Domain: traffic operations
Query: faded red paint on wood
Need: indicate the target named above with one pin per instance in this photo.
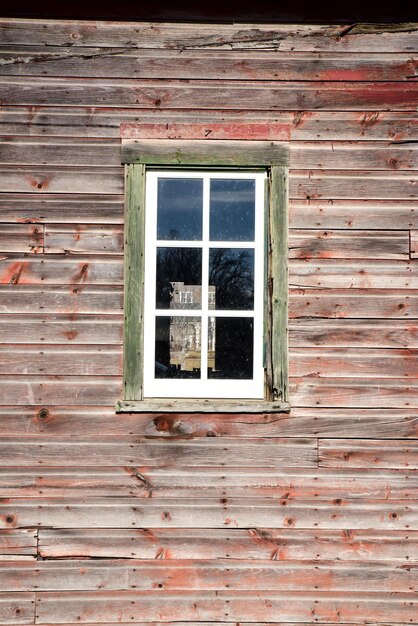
(292, 518)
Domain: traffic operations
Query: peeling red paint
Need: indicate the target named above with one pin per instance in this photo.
(227, 130)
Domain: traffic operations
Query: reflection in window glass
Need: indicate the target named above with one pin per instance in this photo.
(230, 347)
(177, 347)
(179, 208)
(232, 210)
(231, 276)
(179, 278)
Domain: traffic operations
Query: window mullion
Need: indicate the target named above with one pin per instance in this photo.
(205, 279)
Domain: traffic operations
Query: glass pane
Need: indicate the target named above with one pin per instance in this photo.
(230, 347)
(231, 278)
(179, 278)
(179, 208)
(232, 208)
(177, 347)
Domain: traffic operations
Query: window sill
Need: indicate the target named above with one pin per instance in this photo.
(183, 405)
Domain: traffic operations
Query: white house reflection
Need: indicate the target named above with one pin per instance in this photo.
(185, 332)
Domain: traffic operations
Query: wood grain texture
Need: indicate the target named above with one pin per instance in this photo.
(195, 519)
(305, 333)
(65, 360)
(344, 453)
(350, 362)
(17, 608)
(101, 62)
(60, 269)
(27, 208)
(250, 545)
(303, 37)
(202, 481)
(48, 420)
(208, 513)
(353, 244)
(21, 238)
(348, 215)
(59, 390)
(358, 274)
(18, 544)
(340, 185)
(84, 239)
(241, 95)
(61, 329)
(353, 303)
(354, 392)
(60, 607)
(70, 300)
(222, 575)
(85, 122)
(45, 180)
(130, 450)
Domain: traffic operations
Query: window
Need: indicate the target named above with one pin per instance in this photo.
(205, 276)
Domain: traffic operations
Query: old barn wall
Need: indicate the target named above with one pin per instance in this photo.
(308, 517)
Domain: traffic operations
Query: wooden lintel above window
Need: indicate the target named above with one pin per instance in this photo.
(208, 152)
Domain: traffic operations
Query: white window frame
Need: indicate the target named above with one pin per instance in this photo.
(203, 387)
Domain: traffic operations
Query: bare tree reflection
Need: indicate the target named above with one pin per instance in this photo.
(231, 272)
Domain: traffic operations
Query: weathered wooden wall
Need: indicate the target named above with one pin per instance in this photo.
(303, 518)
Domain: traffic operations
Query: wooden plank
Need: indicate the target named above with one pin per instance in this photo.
(301, 125)
(130, 450)
(100, 62)
(117, 512)
(358, 274)
(250, 545)
(224, 94)
(45, 180)
(59, 390)
(308, 185)
(59, 151)
(199, 405)
(238, 606)
(349, 214)
(83, 239)
(354, 303)
(26, 208)
(17, 608)
(65, 360)
(350, 362)
(185, 482)
(61, 329)
(371, 453)
(414, 244)
(21, 238)
(305, 333)
(205, 152)
(267, 575)
(353, 155)
(70, 300)
(303, 37)
(60, 269)
(134, 263)
(16, 544)
(354, 393)
(17, 421)
(278, 276)
(339, 244)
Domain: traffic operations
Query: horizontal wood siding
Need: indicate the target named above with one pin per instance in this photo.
(208, 519)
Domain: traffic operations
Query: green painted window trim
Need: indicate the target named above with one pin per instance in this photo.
(207, 155)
